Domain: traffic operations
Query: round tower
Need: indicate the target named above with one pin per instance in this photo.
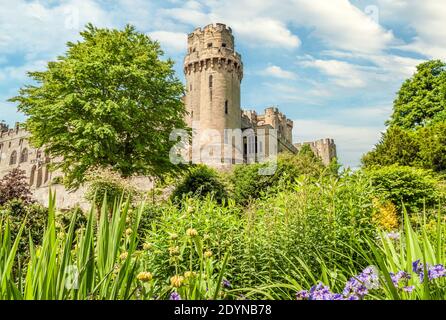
(213, 72)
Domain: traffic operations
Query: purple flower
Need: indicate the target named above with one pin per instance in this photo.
(393, 235)
(302, 295)
(175, 296)
(360, 285)
(320, 292)
(226, 284)
(337, 296)
(417, 266)
(436, 271)
(399, 276)
(408, 288)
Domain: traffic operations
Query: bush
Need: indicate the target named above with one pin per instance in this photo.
(200, 182)
(249, 183)
(14, 185)
(18, 211)
(105, 182)
(405, 185)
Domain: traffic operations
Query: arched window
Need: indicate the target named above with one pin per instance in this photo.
(13, 159)
(24, 156)
(39, 177)
(47, 174)
(226, 107)
(210, 81)
(32, 174)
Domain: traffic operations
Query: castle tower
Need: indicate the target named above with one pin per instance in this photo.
(213, 72)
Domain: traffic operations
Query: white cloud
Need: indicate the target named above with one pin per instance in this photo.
(278, 72)
(172, 41)
(34, 29)
(426, 18)
(342, 73)
(337, 23)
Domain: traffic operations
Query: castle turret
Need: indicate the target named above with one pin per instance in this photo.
(213, 73)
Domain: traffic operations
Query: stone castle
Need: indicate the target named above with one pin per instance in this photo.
(213, 72)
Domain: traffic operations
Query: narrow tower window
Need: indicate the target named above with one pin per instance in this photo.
(210, 81)
(226, 107)
(13, 158)
(223, 45)
(210, 45)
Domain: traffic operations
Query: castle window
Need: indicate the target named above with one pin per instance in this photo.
(210, 81)
(190, 87)
(32, 174)
(226, 107)
(210, 45)
(223, 45)
(24, 156)
(13, 159)
(39, 177)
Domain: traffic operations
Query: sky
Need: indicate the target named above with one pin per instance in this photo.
(332, 66)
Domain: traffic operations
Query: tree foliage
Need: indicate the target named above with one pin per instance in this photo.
(410, 186)
(416, 133)
(110, 101)
(200, 181)
(248, 183)
(422, 98)
(14, 186)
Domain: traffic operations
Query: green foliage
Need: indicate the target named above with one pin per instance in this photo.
(110, 101)
(200, 181)
(33, 218)
(250, 183)
(13, 186)
(422, 98)
(433, 147)
(411, 186)
(106, 184)
(423, 148)
(397, 146)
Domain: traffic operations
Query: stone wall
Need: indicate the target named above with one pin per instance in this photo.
(323, 148)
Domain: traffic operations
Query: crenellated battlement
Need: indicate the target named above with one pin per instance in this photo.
(7, 133)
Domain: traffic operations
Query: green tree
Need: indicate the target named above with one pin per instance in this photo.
(432, 142)
(396, 146)
(200, 181)
(110, 102)
(422, 98)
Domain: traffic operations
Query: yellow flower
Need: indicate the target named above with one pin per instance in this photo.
(206, 237)
(144, 276)
(174, 250)
(173, 236)
(386, 215)
(191, 232)
(208, 254)
(147, 246)
(190, 274)
(176, 281)
(123, 255)
(128, 231)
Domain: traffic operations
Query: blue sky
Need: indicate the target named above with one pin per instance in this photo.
(332, 66)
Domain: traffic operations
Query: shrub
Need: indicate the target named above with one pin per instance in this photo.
(249, 183)
(17, 211)
(106, 182)
(200, 182)
(14, 185)
(405, 185)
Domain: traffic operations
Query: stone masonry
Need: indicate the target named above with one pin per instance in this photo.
(213, 72)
